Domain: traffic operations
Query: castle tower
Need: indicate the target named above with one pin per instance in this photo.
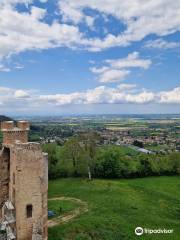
(23, 184)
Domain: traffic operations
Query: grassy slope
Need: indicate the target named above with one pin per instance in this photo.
(116, 207)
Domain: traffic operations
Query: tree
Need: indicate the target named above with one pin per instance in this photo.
(72, 150)
(89, 141)
(138, 143)
(51, 149)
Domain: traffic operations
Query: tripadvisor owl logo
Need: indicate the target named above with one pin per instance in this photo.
(139, 231)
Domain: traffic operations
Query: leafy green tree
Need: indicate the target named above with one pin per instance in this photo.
(51, 149)
(88, 142)
(72, 150)
(174, 159)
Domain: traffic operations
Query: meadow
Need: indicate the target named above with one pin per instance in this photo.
(117, 207)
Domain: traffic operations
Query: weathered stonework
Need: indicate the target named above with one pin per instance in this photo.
(23, 182)
(4, 176)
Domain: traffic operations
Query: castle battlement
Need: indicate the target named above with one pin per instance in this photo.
(12, 126)
(23, 125)
(13, 132)
(7, 125)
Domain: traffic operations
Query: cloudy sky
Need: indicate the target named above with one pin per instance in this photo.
(89, 56)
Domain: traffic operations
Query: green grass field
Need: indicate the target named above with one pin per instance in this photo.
(116, 207)
(66, 207)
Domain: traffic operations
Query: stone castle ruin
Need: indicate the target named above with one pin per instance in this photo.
(23, 185)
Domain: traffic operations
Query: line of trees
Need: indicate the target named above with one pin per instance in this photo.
(83, 156)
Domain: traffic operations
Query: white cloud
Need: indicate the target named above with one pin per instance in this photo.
(99, 95)
(5, 91)
(126, 87)
(172, 96)
(162, 44)
(131, 61)
(18, 66)
(22, 31)
(143, 97)
(117, 70)
(14, 2)
(27, 31)
(120, 95)
(90, 21)
(10, 93)
(37, 13)
(23, 100)
(4, 68)
(21, 94)
(113, 75)
(141, 18)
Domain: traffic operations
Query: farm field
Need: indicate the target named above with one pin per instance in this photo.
(117, 207)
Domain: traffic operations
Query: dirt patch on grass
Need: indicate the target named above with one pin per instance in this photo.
(83, 207)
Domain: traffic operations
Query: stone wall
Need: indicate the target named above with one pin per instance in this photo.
(24, 181)
(27, 164)
(4, 176)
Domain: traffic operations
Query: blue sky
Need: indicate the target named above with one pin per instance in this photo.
(89, 56)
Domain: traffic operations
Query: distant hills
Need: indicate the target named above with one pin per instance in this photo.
(5, 118)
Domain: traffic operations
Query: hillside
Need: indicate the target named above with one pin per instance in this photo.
(5, 118)
(116, 208)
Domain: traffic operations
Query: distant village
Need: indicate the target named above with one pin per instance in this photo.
(155, 137)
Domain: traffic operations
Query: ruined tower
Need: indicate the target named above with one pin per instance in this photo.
(23, 184)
